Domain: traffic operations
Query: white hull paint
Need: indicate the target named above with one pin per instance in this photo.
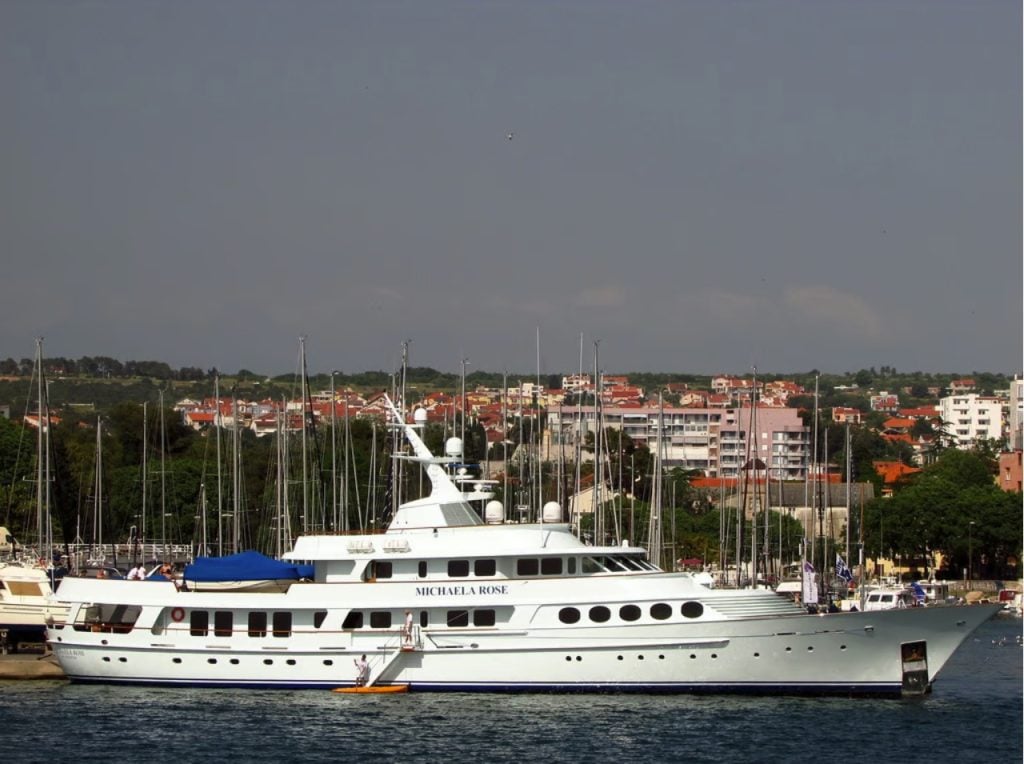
(503, 607)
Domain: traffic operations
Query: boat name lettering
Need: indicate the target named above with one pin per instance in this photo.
(456, 591)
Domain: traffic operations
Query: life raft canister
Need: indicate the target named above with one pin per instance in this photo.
(178, 614)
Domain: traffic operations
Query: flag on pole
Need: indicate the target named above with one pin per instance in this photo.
(919, 593)
(842, 571)
(809, 588)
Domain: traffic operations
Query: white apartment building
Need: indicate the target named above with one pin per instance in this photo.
(717, 441)
(1015, 437)
(969, 418)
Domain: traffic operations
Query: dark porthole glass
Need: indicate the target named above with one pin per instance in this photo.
(660, 611)
(569, 615)
(600, 614)
(692, 610)
(629, 613)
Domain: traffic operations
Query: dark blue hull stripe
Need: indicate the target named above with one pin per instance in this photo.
(740, 688)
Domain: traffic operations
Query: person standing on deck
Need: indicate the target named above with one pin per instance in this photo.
(362, 671)
(407, 630)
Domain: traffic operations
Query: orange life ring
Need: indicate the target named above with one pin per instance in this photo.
(178, 615)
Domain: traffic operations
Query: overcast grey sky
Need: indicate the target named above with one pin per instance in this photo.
(702, 187)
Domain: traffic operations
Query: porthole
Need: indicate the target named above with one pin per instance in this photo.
(175, 660)
(714, 655)
(211, 661)
(234, 661)
(568, 615)
(693, 657)
(842, 647)
(328, 662)
(579, 657)
(660, 611)
(639, 657)
(268, 662)
(661, 657)
(692, 610)
(123, 660)
(757, 655)
(629, 613)
(600, 614)
(106, 659)
(810, 648)
(290, 661)
(568, 658)
(620, 657)
(789, 649)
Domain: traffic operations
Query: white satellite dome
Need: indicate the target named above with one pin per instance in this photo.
(453, 447)
(552, 512)
(419, 416)
(494, 512)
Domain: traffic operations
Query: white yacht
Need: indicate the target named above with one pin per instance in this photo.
(448, 600)
(26, 602)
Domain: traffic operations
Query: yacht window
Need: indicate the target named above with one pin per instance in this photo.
(354, 620)
(484, 567)
(257, 624)
(380, 619)
(612, 564)
(571, 566)
(568, 615)
(457, 618)
(629, 612)
(223, 623)
(424, 619)
(380, 569)
(282, 623)
(422, 569)
(199, 623)
(629, 562)
(592, 565)
(458, 568)
(318, 618)
(600, 614)
(692, 610)
(551, 566)
(660, 611)
(527, 567)
(484, 617)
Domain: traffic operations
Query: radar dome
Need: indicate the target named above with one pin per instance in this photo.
(453, 447)
(419, 416)
(552, 512)
(494, 512)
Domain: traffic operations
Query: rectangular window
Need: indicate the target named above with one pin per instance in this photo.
(381, 569)
(282, 623)
(483, 617)
(484, 568)
(318, 618)
(380, 619)
(223, 623)
(257, 624)
(571, 566)
(527, 567)
(551, 566)
(424, 619)
(199, 623)
(458, 618)
(458, 568)
(354, 620)
(422, 569)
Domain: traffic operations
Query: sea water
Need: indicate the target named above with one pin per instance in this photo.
(974, 714)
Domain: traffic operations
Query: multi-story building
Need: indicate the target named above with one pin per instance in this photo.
(1015, 420)
(717, 441)
(969, 418)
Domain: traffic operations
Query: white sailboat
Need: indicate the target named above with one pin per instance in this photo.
(26, 577)
(496, 606)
